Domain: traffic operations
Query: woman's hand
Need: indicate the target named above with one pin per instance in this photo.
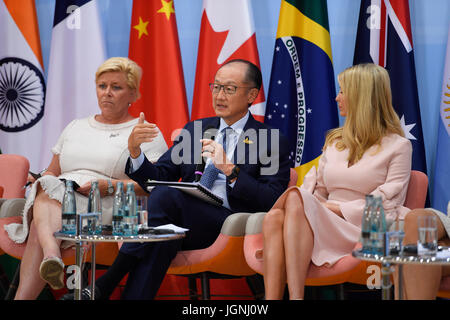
(102, 186)
(30, 180)
(84, 189)
(335, 208)
(32, 177)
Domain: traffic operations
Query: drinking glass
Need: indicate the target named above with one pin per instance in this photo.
(394, 243)
(141, 202)
(427, 240)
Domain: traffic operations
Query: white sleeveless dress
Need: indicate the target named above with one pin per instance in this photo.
(87, 150)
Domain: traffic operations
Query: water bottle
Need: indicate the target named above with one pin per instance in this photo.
(382, 228)
(69, 210)
(378, 228)
(119, 202)
(365, 225)
(130, 213)
(94, 223)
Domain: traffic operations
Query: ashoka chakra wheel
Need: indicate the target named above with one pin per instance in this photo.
(22, 94)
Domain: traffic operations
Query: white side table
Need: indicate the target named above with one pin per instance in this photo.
(400, 260)
(93, 239)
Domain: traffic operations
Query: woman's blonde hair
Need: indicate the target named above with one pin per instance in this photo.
(370, 114)
(120, 64)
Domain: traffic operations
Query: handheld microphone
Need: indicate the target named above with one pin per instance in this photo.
(208, 134)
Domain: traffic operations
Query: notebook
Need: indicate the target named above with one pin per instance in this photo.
(193, 188)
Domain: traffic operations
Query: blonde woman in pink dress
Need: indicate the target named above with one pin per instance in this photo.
(320, 222)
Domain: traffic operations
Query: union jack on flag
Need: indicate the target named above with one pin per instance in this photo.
(384, 37)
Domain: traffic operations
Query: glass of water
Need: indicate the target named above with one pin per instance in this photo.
(394, 242)
(141, 202)
(89, 223)
(427, 240)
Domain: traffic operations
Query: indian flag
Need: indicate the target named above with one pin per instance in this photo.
(22, 84)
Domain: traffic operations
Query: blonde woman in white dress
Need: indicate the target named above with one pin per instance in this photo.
(94, 148)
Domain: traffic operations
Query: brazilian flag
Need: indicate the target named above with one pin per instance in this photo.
(302, 90)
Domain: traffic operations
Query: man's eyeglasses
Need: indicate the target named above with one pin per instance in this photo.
(228, 89)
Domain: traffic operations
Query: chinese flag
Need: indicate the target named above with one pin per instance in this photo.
(227, 33)
(154, 46)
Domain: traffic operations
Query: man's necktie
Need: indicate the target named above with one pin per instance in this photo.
(211, 172)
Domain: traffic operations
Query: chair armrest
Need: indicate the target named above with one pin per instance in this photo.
(2, 200)
(234, 225)
(11, 207)
(254, 223)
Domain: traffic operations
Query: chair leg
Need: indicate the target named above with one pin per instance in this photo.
(256, 285)
(4, 281)
(85, 274)
(341, 292)
(314, 292)
(205, 287)
(192, 283)
(14, 284)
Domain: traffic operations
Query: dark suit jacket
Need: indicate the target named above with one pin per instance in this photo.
(252, 191)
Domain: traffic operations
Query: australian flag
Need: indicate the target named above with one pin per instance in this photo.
(384, 37)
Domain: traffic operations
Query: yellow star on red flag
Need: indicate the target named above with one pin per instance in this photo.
(167, 8)
(141, 27)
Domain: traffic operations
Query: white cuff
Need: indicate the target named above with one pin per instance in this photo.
(136, 163)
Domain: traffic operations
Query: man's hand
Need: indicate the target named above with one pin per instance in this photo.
(142, 132)
(214, 150)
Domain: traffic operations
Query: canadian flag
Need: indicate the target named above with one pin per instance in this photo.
(227, 33)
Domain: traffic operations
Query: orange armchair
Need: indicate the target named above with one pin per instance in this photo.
(105, 252)
(224, 258)
(13, 176)
(444, 289)
(348, 268)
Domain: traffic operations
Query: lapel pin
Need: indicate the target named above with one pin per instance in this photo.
(247, 141)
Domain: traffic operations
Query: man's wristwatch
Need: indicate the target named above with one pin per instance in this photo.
(110, 188)
(234, 173)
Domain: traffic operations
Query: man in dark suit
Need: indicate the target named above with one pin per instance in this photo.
(248, 163)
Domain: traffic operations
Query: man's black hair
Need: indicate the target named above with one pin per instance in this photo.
(253, 74)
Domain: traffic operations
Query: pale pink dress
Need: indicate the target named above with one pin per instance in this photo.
(382, 171)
